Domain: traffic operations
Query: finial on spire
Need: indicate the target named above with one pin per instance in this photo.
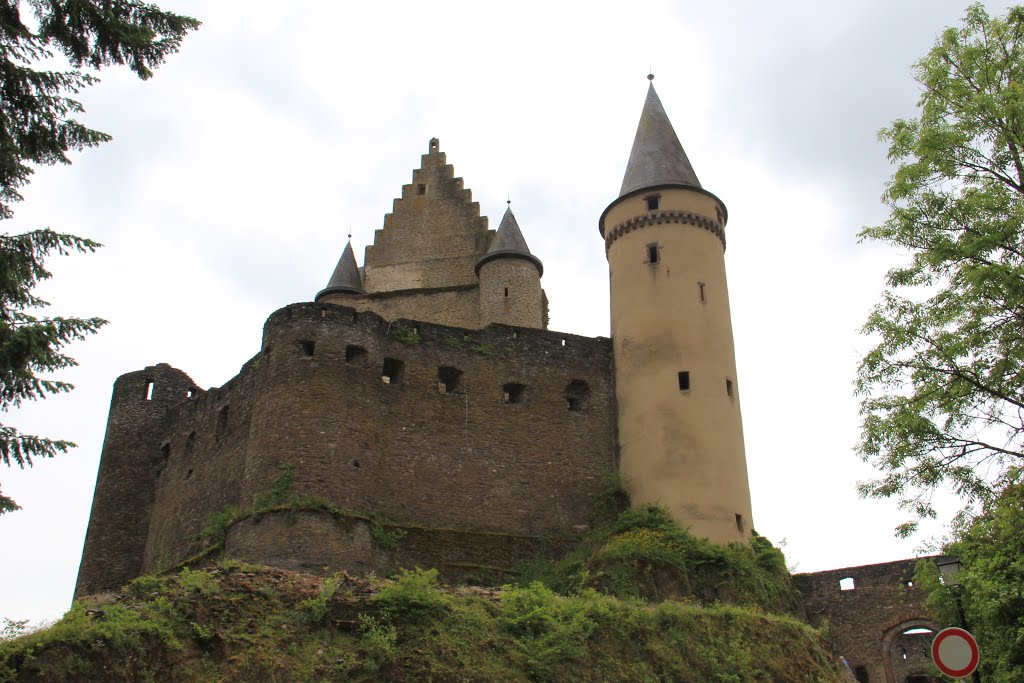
(349, 235)
(508, 199)
(650, 76)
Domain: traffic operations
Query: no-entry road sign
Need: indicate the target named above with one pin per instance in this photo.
(955, 652)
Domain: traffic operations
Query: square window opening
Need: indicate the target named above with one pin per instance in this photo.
(392, 371)
(448, 379)
(514, 393)
(308, 347)
(684, 380)
(576, 394)
(846, 584)
(421, 189)
(355, 355)
(653, 203)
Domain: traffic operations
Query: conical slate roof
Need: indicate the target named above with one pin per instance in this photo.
(345, 279)
(657, 157)
(509, 242)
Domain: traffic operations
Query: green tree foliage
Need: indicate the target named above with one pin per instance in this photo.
(991, 551)
(37, 127)
(943, 389)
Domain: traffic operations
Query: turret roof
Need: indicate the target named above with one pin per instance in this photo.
(509, 242)
(657, 157)
(346, 275)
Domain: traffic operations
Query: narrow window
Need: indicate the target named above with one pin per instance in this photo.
(392, 371)
(700, 293)
(653, 202)
(188, 475)
(739, 522)
(513, 392)
(684, 381)
(506, 292)
(652, 253)
(728, 387)
(846, 584)
(355, 355)
(222, 420)
(576, 394)
(191, 393)
(307, 346)
(421, 188)
(149, 390)
(448, 379)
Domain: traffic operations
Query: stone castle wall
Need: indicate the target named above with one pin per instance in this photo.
(489, 440)
(866, 612)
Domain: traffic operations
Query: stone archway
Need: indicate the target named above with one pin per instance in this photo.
(893, 631)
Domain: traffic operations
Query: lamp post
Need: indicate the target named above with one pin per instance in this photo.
(949, 571)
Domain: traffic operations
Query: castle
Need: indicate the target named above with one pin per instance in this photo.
(419, 412)
(425, 390)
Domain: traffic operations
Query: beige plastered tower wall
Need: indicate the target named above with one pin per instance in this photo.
(680, 435)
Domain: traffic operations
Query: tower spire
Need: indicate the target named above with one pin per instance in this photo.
(657, 157)
(345, 279)
(509, 241)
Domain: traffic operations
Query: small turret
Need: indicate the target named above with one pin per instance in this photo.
(345, 280)
(510, 291)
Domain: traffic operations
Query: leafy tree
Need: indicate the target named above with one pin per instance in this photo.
(943, 389)
(991, 551)
(37, 127)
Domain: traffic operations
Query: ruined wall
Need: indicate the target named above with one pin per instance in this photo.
(498, 449)
(866, 622)
(132, 460)
(206, 445)
(475, 446)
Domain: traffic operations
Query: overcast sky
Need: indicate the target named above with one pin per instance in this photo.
(235, 174)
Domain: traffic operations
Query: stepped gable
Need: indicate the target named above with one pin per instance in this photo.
(434, 235)
(345, 279)
(657, 157)
(509, 242)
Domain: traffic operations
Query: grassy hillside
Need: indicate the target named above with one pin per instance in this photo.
(635, 599)
(235, 622)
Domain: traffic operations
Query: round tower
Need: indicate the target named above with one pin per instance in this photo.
(510, 291)
(134, 453)
(680, 430)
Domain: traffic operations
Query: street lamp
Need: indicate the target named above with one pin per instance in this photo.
(949, 571)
